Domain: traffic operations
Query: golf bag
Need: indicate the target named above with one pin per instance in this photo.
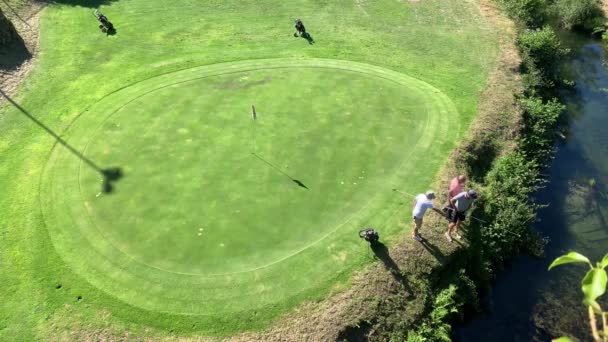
(369, 235)
(106, 26)
(300, 28)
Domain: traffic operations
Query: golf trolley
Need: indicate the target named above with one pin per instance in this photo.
(369, 235)
(106, 26)
(300, 29)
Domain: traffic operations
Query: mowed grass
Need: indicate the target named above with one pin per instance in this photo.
(207, 232)
(220, 215)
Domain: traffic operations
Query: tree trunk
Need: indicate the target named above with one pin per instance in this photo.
(7, 30)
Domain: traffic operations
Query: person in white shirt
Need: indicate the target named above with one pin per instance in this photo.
(422, 202)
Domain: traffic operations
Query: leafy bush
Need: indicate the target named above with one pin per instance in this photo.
(437, 327)
(584, 14)
(508, 207)
(535, 82)
(541, 52)
(539, 122)
(531, 13)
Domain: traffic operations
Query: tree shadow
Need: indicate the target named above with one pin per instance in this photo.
(81, 3)
(13, 51)
(381, 252)
(110, 175)
(14, 54)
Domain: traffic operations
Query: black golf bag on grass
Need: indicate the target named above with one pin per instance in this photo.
(106, 26)
(300, 28)
(369, 235)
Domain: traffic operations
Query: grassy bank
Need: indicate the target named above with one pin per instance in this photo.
(513, 174)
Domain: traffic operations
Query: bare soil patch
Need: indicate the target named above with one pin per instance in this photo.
(18, 58)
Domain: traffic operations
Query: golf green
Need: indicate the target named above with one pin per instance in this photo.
(221, 224)
(214, 207)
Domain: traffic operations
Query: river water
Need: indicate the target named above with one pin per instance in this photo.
(528, 303)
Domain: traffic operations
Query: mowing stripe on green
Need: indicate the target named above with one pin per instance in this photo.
(199, 225)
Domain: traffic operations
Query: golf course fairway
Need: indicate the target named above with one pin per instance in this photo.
(221, 220)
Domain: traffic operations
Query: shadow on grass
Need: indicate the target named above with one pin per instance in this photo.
(308, 38)
(110, 32)
(110, 175)
(297, 182)
(433, 250)
(381, 252)
(13, 55)
(81, 3)
(13, 51)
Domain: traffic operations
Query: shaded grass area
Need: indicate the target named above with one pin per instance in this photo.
(155, 38)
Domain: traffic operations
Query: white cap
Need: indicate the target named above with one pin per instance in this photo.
(430, 194)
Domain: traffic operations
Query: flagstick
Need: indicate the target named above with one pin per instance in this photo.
(253, 118)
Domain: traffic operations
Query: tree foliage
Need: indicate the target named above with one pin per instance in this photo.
(541, 52)
(531, 13)
(583, 14)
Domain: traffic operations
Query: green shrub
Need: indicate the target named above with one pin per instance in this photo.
(535, 82)
(508, 209)
(541, 53)
(437, 326)
(584, 14)
(531, 13)
(539, 123)
(542, 47)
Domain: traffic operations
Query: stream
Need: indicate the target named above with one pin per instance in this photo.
(529, 303)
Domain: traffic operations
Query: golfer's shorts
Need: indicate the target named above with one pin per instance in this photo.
(456, 216)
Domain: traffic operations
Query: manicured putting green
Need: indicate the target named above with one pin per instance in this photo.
(208, 219)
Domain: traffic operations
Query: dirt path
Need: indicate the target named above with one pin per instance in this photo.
(18, 58)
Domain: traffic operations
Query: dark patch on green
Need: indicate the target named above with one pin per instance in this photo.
(245, 84)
